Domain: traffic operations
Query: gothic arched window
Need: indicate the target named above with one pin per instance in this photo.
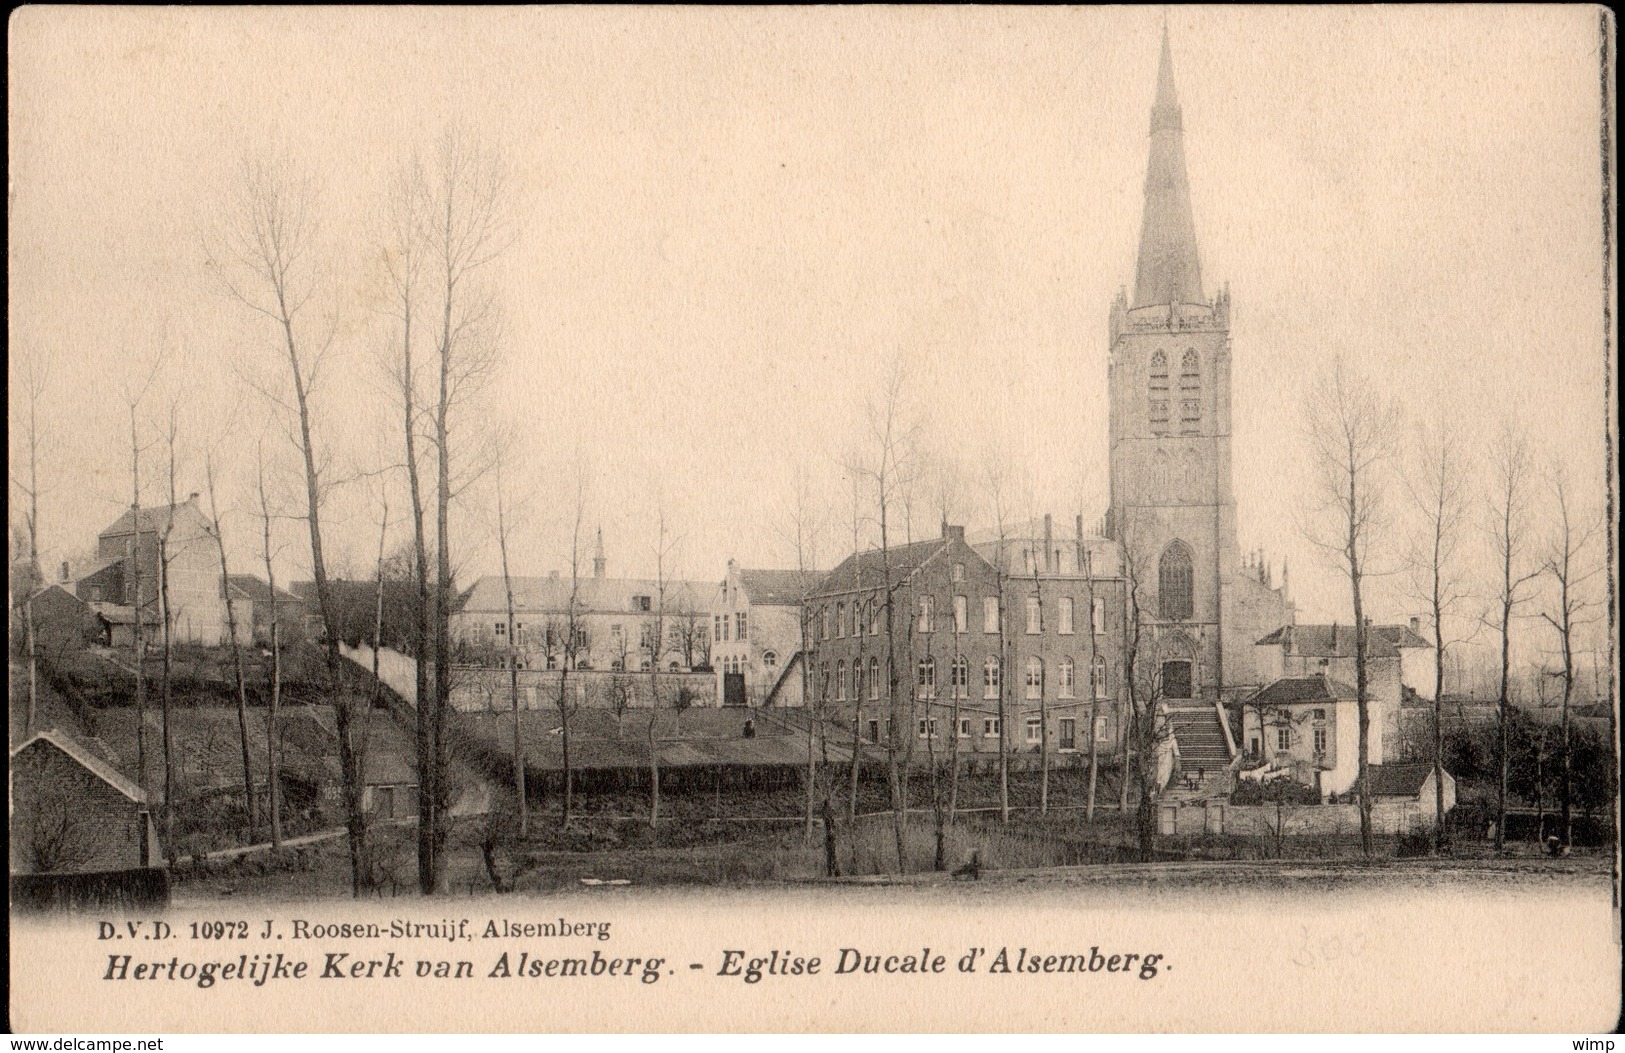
(840, 681)
(1065, 674)
(1190, 392)
(1174, 599)
(990, 678)
(874, 679)
(961, 677)
(1158, 393)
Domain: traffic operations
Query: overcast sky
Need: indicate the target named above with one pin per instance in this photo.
(733, 221)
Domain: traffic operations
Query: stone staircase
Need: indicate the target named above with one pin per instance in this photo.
(1204, 755)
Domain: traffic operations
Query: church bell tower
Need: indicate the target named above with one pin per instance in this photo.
(1173, 509)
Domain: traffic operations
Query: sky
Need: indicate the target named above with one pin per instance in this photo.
(732, 223)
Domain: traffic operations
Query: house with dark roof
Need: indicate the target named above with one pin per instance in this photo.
(173, 545)
(252, 600)
(942, 602)
(1308, 724)
(756, 635)
(1398, 658)
(1410, 785)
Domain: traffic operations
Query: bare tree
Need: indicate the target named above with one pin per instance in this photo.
(574, 639)
(1095, 680)
(464, 224)
(1509, 481)
(1570, 566)
(1352, 432)
(801, 531)
(404, 251)
(998, 484)
(133, 396)
(1149, 730)
(273, 768)
(262, 255)
(513, 664)
(1439, 488)
(663, 550)
(890, 468)
(251, 801)
(32, 384)
(166, 615)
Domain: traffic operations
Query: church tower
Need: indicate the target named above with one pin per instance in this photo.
(1173, 510)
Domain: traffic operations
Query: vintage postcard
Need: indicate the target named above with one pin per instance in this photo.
(585, 519)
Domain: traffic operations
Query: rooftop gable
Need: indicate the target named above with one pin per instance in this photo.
(82, 755)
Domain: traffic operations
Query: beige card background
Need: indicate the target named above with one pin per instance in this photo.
(731, 221)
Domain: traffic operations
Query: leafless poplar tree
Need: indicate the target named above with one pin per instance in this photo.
(403, 249)
(1571, 568)
(663, 548)
(893, 439)
(574, 640)
(1509, 488)
(1438, 485)
(464, 223)
(513, 662)
(1352, 434)
(262, 254)
(998, 484)
(250, 800)
(273, 765)
(31, 384)
(166, 615)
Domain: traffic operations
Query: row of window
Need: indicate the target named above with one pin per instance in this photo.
(868, 614)
(925, 679)
(1066, 728)
(721, 624)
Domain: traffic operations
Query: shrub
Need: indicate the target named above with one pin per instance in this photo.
(1281, 791)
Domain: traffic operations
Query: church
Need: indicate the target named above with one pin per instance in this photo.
(1202, 607)
(1219, 645)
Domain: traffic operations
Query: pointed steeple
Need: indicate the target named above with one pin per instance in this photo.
(599, 564)
(1168, 270)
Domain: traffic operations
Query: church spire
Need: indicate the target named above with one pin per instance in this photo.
(1168, 270)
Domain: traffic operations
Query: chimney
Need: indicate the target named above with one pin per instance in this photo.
(66, 578)
(1049, 545)
(1334, 637)
(733, 568)
(191, 498)
(1416, 624)
(554, 574)
(952, 533)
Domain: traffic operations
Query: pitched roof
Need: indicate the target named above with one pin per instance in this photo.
(593, 595)
(258, 590)
(1293, 689)
(1402, 635)
(1399, 780)
(1337, 641)
(156, 519)
(87, 760)
(786, 588)
(123, 614)
(867, 570)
